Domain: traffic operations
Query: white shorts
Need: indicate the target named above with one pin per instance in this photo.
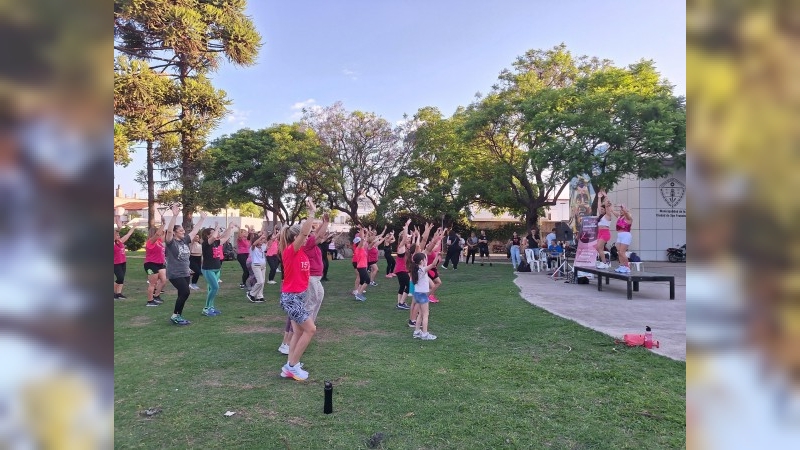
(624, 237)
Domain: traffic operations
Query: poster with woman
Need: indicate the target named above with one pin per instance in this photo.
(586, 253)
(580, 201)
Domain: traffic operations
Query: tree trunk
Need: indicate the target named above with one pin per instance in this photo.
(187, 176)
(151, 188)
(532, 218)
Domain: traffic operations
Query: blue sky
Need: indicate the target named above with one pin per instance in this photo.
(394, 57)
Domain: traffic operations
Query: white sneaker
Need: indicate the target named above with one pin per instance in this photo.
(295, 372)
(278, 270)
(626, 269)
(284, 348)
(417, 334)
(620, 269)
(427, 336)
(194, 286)
(271, 282)
(601, 265)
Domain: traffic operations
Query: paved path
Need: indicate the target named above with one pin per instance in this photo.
(610, 312)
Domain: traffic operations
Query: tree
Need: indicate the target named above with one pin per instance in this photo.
(627, 121)
(187, 40)
(363, 155)
(270, 168)
(541, 124)
(433, 183)
(250, 209)
(143, 112)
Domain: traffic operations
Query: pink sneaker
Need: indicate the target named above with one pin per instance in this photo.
(433, 299)
(389, 276)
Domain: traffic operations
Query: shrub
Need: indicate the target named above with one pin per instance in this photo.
(136, 241)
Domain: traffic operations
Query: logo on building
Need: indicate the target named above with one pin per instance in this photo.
(672, 191)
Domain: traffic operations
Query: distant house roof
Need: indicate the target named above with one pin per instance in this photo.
(133, 206)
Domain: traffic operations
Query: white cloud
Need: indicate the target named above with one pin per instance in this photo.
(298, 108)
(237, 117)
(353, 75)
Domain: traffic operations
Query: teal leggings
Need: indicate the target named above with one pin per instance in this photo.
(212, 280)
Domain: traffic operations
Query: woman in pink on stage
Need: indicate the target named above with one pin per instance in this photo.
(624, 239)
(605, 214)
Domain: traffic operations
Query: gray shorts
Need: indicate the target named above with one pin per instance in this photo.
(292, 303)
(314, 295)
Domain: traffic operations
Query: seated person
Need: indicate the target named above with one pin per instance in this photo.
(554, 251)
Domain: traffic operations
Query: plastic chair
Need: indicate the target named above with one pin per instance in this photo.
(537, 262)
(636, 264)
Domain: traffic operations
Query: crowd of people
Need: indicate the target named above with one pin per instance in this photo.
(301, 253)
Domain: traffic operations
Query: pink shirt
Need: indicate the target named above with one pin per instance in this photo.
(154, 252)
(623, 225)
(273, 248)
(295, 271)
(243, 245)
(119, 252)
(314, 256)
(400, 264)
(372, 255)
(360, 257)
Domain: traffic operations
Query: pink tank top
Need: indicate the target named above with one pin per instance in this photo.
(243, 246)
(623, 225)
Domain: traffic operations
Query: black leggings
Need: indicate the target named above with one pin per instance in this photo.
(242, 258)
(471, 252)
(390, 262)
(182, 285)
(452, 255)
(274, 262)
(119, 272)
(403, 279)
(195, 265)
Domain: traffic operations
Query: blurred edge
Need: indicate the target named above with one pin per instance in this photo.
(743, 336)
(56, 331)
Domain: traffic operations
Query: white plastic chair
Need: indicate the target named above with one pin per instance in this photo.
(636, 264)
(537, 262)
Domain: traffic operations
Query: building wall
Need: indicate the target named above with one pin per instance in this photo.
(658, 208)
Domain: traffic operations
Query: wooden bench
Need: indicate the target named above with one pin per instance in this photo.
(633, 279)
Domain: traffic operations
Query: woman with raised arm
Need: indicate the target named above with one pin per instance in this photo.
(154, 267)
(120, 260)
(296, 274)
(212, 244)
(195, 260)
(177, 256)
(387, 253)
(605, 215)
(624, 239)
(400, 270)
(243, 240)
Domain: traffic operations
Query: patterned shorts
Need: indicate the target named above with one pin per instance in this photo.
(293, 303)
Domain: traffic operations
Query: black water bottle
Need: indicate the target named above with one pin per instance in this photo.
(328, 398)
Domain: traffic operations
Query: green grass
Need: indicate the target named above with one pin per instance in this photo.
(503, 374)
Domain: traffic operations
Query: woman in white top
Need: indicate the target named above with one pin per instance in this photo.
(258, 262)
(605, 218)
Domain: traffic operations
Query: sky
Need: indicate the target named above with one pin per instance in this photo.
(394, 57)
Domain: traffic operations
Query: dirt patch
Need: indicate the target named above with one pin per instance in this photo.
(328, 335)
(141, 321)
(298, 421)
(250, 329)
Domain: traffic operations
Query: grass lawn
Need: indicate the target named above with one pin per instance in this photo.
(502, 373)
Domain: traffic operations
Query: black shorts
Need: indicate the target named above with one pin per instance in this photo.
(484, 250)
(371, 263)
(355, 265)
(363, 275)
(151, 268)
(435, 274)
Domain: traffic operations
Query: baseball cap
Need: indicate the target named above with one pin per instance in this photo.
(356, 240)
